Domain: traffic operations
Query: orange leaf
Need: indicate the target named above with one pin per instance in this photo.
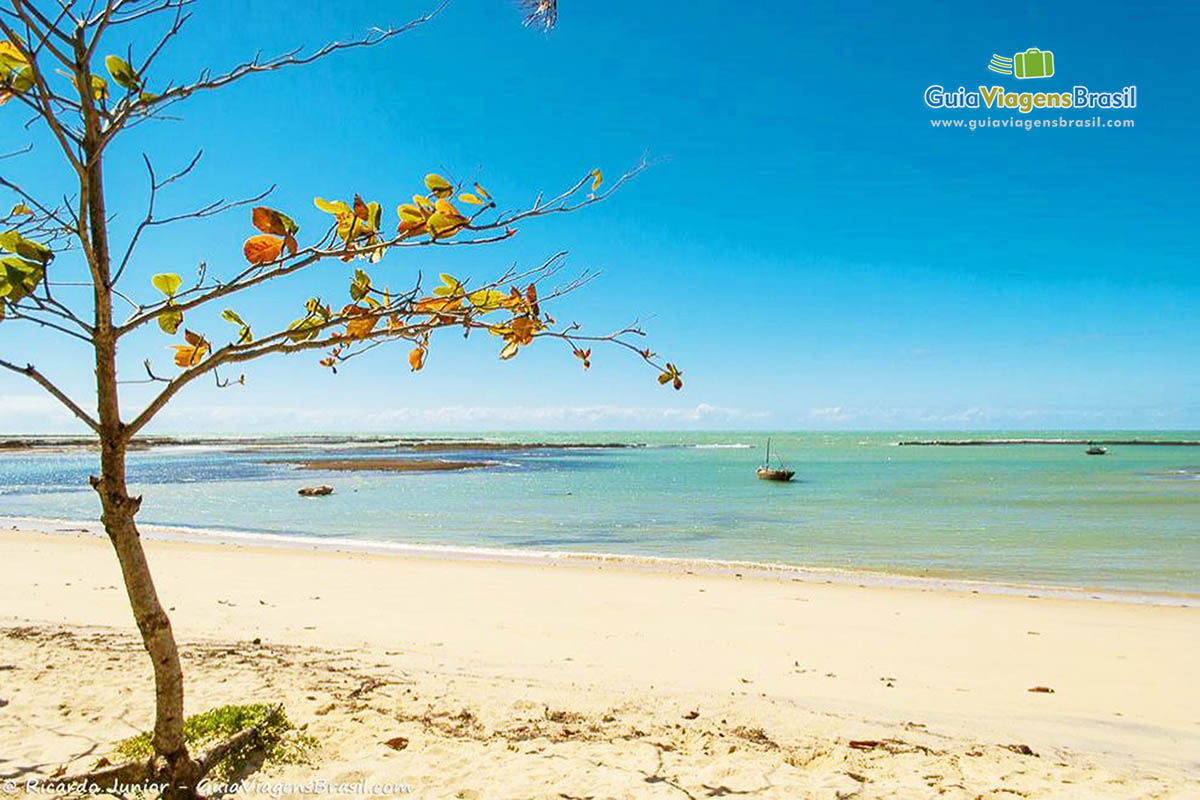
(192, 353)
(360, 208)
(263, 248)
(416, 359)
(361, 324)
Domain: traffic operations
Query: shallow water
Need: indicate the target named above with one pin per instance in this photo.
(1042, 514)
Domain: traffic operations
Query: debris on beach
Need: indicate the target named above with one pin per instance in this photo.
(1041, 689)
(864, 744)
(1021, 749)
(315, 491)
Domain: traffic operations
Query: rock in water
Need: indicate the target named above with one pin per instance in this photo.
(315, 491)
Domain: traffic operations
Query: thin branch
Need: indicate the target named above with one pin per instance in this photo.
(30, 372)
(150, 221)
(306, 257)
(292, 58)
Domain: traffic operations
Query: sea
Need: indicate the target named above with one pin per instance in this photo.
(1027, 515)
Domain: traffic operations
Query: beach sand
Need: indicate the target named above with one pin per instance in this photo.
(553, 680)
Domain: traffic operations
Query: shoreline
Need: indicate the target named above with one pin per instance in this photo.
(773, 571)
(539, 679)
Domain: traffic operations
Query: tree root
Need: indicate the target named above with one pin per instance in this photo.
(155, 771)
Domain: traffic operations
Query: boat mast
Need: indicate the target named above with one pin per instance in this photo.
(767, 463)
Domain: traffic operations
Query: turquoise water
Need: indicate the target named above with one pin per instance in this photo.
(1025, 514)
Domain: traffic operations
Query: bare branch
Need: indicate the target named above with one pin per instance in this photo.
(150, 221)
(30, 372)
(292, 58)
(67, 139)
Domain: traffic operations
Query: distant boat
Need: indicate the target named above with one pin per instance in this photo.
(768, 473)
(1096, 450)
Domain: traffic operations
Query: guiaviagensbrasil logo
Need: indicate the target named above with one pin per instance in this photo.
(1025, 65)
(1033, 63)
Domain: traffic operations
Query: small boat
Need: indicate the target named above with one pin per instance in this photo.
(768, 473)
(1096, 450)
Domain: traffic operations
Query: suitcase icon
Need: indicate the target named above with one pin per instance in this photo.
(1033, 63)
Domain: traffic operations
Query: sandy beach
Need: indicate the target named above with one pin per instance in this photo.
(511, 679)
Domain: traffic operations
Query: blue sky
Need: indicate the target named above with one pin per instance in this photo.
(809, 249)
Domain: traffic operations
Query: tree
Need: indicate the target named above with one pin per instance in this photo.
(50, 58)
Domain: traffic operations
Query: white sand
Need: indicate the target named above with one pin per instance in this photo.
(575, 679)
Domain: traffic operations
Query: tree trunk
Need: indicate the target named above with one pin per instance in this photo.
(174, 765)
(177, 766)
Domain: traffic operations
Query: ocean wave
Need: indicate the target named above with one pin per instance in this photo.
(730, 446)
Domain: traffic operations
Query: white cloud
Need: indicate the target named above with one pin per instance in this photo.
(34, 413)
(450, 417)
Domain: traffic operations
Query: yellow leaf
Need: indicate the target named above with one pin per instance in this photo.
(467, 197)
(487, 300)
(443, 226)
(447, 208)
(11, 57)
(439, 186)
(510, 350)
(410, 213)
(482, 192)
(337, 207)
(450, 286)
(21, 210)
(597, 177)
(416, 359)
(167, 282)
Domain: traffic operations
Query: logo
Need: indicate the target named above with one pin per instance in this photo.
(1033, 63)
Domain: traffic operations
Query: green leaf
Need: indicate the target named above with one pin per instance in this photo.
(167, 282)
(360, 286)
(229, 315)
(21, 80)
(170, 320)
(121, 72)
(244, 334)
(19, 277)
(13, 242)
(303, 329)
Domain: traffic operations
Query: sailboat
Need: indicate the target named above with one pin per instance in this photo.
(768, 473)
